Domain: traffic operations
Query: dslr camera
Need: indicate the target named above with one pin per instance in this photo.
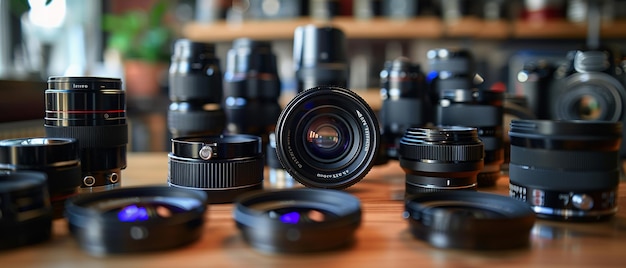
(589, 85)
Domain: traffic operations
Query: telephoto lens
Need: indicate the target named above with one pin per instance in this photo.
(327, 137)
(136, 219)
(195, 82)
(566, 170)
(25, 211)
(405, 101)
(57, 157)
(223, 166)
(320, 57)
(298, 220)
(461, 104)
(470, 220)
(91, 110)
(440, 159)
(251, 89)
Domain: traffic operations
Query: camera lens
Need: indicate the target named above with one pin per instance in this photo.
(462, 104)
(224, 166)
(26, 214)
(470, 220)
(91, 110)
(327, 137)
(251, 89)
(320, 57)
(195, 82)
(440, 158)
(298, 220)
(566, 170)
(405, 101)
(136, 219)
(57, 157)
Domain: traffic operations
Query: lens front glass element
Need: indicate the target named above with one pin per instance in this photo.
(327, 137)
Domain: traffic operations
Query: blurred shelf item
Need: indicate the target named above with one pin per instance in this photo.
(421, 27)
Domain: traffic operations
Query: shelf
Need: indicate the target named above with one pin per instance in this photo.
(422, 27)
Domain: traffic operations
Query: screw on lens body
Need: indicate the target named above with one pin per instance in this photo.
(91, 110)
(440, 158)
(566, 170)
(195, 82)
(405, 101)
(57, 157)
(320, 57)
(460, 103)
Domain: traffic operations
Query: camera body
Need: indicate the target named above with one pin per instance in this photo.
(587, 86)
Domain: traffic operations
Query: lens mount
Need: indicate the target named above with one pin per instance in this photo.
(327, 137)
(25, 211)
(136, 219)
(298, 220)
(469, 220)
(224, 166)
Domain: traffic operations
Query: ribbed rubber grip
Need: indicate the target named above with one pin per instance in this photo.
(470, 152)
(92, 136)
(215, 175)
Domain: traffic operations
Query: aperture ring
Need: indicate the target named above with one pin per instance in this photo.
(566, 160)
(92, 136)
(232, 173)
(469, 152)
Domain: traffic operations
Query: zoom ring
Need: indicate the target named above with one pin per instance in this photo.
(216, 175)
(92, 136)
(470, 152)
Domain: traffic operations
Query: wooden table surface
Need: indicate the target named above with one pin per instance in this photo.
(382, 240)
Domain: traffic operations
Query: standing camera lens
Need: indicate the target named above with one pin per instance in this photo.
(26, 215)
(223, 166)
(405, 103)
(57, 157)
(566, 170)
(327, 137)
(91, 110)
(320, 57)
(195, 90)
(461, 104)
(251, 89)
(440, 158)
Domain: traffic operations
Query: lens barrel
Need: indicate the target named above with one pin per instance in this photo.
(440, 159)
(91, 110)
(470, 220)
(320, 57)
(567, 170)
(405, 101)
(223, 166)
(298, 220)
(251, 88)
(327, 137)
(25, 208)
(195, 82)
(57, 157)
(136, 219)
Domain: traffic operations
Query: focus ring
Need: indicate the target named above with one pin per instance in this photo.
(215, 175)
(568, 160)
(92, 136)
(442, 152)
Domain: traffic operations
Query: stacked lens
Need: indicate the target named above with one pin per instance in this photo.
(320, 57)
(251, 89)
(440, 158)
(461, 104)
(195, 81)
(57, 157)
(405, 103)
(91, 110)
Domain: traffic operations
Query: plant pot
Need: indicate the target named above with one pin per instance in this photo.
(144, 79)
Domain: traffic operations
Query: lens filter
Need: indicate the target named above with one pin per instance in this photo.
(470, 220)
(136, 219)
(298, 220)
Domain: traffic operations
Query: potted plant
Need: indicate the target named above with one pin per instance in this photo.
(143, 39)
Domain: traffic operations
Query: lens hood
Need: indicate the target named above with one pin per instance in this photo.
(469, 220)
(136, 219)
(298, 220)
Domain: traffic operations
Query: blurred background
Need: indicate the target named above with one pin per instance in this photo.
(133, 40)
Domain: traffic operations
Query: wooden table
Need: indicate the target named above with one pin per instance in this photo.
(383, 239)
